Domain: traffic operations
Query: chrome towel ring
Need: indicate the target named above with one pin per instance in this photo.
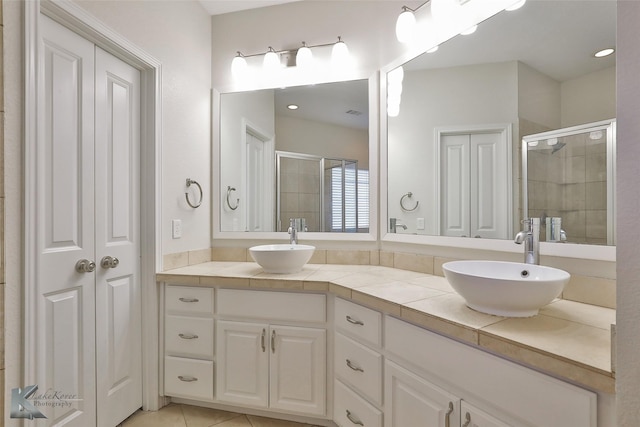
(408, 195)
(186, 194)
(229, 190)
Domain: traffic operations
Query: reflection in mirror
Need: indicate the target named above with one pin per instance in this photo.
(454, 136)
(570, 183)
(299, 152)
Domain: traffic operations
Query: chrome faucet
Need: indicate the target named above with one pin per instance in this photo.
(293, 232)
(530, 236)
(394, 224)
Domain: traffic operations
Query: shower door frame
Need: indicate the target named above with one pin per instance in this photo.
(605, 125)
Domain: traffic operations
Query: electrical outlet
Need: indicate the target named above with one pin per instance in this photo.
(420, 224)
(176, 228)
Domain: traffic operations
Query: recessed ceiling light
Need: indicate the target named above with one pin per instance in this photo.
(292, 107)
(604, 52)
(469, 30)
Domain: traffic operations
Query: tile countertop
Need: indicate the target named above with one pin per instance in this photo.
(567, 339)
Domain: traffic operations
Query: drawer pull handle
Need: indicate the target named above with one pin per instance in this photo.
(188, 336)
(353, 367)
(355, 321)
(187, 379)
(354, 420)
(273, 341)
(262, 343)
(467, 420)
(189, 299)
(447, 417)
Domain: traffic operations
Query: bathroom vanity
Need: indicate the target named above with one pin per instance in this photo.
(375, 346)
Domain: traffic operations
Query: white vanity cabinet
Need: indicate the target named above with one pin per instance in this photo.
(474, 417)
(357, 365)
(412, 401)
(188, 338)
(276, 363)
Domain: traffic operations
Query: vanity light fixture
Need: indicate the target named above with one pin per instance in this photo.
(238, 65)
(340, 53)
(604, 52)
(406, 23)
(271, 60)
(304, 57)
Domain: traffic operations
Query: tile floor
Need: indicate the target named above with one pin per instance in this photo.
(176, 415)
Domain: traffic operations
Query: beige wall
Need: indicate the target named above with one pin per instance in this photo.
(589, 98)
(2, 280)
(628, 195)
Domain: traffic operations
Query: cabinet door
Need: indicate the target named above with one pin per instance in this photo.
(298, 369)
(411, 401)
(243, 363)
(474, 417)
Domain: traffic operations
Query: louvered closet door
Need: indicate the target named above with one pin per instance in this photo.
(87, 194)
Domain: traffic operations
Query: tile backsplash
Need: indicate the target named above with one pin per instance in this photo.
(585, 289)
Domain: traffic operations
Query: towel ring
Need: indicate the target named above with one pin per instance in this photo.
(186, 194)
(409, 195)
(229, 190)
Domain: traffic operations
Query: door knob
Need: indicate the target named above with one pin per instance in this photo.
(109, 262)
(85, 266)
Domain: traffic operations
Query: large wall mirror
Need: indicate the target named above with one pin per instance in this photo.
(299, 153)
(454, 141)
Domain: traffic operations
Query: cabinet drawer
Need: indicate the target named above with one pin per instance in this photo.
(350, 410)
(272, 306)
(188, 300)
(189, 337)
(188, 378)
(358, 321)
(359, 366)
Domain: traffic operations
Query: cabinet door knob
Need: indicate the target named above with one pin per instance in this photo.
(262, 343)
(355, 321)
(273, 341)
(189, 299)
(353, 419)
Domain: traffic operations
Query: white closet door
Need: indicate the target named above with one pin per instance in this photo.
(118, 317)
(489, 179)
(454, 200)
(64, 320)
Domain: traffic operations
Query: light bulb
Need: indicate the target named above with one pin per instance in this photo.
(340, 53)
(434, 49)
(396, 75)
(393, 110)
(271, 60)
(304, 57)
(238, 66)
(405, 25)
(516, 6)
(469, 30)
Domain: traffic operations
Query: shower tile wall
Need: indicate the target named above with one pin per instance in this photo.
(570, 181)
(300, 192)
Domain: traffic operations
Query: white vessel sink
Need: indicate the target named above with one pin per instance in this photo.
(510, 289)
(284, 258)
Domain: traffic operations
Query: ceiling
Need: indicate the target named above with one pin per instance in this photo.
(218, 7)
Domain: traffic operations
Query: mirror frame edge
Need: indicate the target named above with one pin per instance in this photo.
(374, 175)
